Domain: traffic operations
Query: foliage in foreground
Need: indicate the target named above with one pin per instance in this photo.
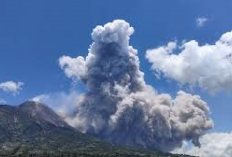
(24, 151)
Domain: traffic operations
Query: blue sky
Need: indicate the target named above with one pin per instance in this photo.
(34, 34)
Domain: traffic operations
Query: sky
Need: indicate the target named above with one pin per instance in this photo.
(35, 34)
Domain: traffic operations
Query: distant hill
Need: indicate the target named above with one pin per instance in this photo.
(33, 129)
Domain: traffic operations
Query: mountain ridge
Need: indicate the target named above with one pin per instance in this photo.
(34, 128)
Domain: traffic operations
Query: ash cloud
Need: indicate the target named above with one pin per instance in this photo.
(120, 107)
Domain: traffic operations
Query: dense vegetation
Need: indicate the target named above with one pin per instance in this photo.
(22, 151)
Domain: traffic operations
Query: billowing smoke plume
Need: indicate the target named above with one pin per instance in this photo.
(120, 107)
(206, 66)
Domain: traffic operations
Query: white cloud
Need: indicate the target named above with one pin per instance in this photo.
(212, 145)
(2, 101)
(11, 87)
(207, 66)
(201, 21)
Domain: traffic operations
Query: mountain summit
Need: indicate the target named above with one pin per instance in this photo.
(33, 129)
(42, 114)
(35, 124)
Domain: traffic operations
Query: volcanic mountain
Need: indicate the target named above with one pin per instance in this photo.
(33, 129)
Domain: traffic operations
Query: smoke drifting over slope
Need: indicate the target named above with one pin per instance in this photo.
(120, 107)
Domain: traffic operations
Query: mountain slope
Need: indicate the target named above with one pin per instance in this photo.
(34, 129)
(37, 125)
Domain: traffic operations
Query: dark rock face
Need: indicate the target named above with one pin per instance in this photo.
(31, 122)
(42, 114)
(34, 124)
